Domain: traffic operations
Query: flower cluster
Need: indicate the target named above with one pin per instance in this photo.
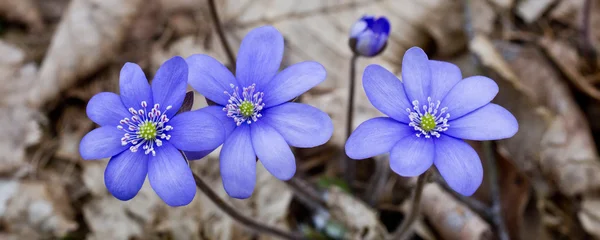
(430, 111)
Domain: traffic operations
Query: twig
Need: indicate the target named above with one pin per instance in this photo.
(490, 161)
(347, 164)
(307, 194)
(586, 47)
(404, 230)
(246, 221)
(477, 206)
(215, 16)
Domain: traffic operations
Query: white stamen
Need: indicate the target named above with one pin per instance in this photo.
(134, 135)
(440, 117)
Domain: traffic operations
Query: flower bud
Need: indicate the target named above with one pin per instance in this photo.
(369, 35)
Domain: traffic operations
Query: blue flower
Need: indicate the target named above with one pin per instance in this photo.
(430, 111)
(142, 135)
(255, 111)
(369, 35)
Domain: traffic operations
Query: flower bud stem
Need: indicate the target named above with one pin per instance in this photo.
(403, 232)
(215, 17)
(348, 166)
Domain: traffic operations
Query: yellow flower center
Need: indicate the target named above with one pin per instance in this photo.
(147, 131)
(247, 108)
(427, 122)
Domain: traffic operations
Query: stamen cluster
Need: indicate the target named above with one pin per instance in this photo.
(430, 121)
(244, 108)
(144, 128)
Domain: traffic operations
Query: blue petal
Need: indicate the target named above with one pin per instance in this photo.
(238, 163)
(292, 82)
(444, 76)
(386, 92)
(358, 28)
(171, 177)
(197, 155)
(125, 174)
(169, 84)
(106, 109)
(458, 164)
(101, 143)
(273, 151)
(366, 43)
(416, 75)
(134, 86)
(196, 131)
(491, 122)
(259, 57)
(468, 95)
(412, 156)
(376, 136)
(226, 122)
(381, 26)
(300, 125)
(210, 78)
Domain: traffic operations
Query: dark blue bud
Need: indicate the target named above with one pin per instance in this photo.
(369, 35)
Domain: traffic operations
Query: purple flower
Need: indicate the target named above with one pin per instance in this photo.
(369, 35)
(430, 111)
(254, 109)
(142, 135)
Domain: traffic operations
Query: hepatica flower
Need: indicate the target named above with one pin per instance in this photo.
(141, 133)
(369, 35)
(430, 112)
(254, 109)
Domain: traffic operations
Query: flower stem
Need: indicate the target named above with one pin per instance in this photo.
(403, 232)
(490, 161)
(215, 17)
(246, 221)
(347, 164)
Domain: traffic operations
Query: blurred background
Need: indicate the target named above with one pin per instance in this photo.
(56, 54)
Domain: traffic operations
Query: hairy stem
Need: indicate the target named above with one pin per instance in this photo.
(404, 231)
(347, 164)
(215, 17)
(490, 161)
(233, 213)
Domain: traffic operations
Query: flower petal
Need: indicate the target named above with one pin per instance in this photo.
(101, 143)
(196, 131)
(171, 177)
(376, 136)
(125, 174)
(468, 95)
(210, 78)
(134, 87)
(227, 123)
(444, 76)
(197, 155)
(416, 75)
(386, 92)
(273, 151)
(170, 83)
(491, 122)
(293, 81)
(459, 164)
(238, 163)
(259, 57)
(300, 125)
(106, 109)
(412, 156)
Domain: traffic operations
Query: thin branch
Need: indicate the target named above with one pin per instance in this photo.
(586, 47)
(307, 194)
(233, 213)
(215, 17)
(347, 164)
(490, 161)
(403, 232)
(477, 206)
(377, 181)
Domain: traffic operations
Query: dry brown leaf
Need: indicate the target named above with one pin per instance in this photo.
(41, 208)
(450, 218)
(361, 221)
(20, 130)
(531, 10)
(87, 38)
(553, 147)
(24, 11)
